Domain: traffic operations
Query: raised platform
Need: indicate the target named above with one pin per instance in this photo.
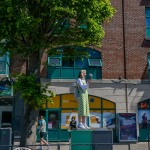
(93, 139)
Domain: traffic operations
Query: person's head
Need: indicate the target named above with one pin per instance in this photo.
(73, 118)
(41, 117)
(82, 74)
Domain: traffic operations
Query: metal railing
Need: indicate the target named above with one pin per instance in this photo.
(69, 146)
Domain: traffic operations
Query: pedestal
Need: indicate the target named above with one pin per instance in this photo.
(80, 139)
(102, 139)
(96, 139)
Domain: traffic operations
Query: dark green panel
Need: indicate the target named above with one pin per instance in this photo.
(76, 72)
(67, 73)
(64, 135)
(54, 73)
(97, 73)
(81, 137)
(143, 134)
(53, 135)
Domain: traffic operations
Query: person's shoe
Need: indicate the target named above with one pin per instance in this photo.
(86, 126)
(81, 126)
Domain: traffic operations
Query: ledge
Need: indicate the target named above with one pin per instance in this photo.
(102, 81)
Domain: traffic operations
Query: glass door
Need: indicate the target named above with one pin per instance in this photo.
(53, 124)
(53, 119)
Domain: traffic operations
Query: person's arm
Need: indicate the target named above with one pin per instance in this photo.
(70, 125)
(76, 123)
(42, 125)
(82, 86)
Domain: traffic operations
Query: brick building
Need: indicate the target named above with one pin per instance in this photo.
(120, 71)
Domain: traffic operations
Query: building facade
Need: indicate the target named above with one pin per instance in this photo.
(121, 73)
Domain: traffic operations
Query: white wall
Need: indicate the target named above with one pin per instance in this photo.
(114, 91)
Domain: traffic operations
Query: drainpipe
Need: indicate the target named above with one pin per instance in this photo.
(124, 51)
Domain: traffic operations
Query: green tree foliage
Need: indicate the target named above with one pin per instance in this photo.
(33, 93)
(30, 25)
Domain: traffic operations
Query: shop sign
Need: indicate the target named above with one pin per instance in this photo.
(127, 127)
(5, 89)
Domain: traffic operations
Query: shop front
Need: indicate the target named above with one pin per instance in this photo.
(58, 115)
(144, 119)
(6, 102)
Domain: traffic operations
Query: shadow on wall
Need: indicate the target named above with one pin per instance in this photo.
(145, 73)
(18, 66)
(145, 3)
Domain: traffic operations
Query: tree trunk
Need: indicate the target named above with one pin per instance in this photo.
(28, 134)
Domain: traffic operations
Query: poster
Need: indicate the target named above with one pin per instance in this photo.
(144, 119)
(49, 125)
(127, 127)
(109, 120)
(95, 119)
(66, 118)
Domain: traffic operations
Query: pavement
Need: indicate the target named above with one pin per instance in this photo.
(115, 146)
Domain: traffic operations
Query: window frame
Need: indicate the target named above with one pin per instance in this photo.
(71, 69)
(60, 62)
(148, 64)
(147, 17)
(89, 63)
(6, 60)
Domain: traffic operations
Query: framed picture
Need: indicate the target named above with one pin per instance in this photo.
(127, 127)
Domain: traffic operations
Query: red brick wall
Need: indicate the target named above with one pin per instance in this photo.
(17, 65)
(135, 49)
(114, 44)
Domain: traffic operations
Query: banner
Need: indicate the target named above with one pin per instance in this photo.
(127, 128)
(6, 90)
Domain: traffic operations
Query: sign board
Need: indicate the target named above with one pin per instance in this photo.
(5, 90)
(127, 128)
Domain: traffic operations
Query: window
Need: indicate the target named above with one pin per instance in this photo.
(102, 113)
(62, 65)
(53, 120)
(4, 64)
(94, 62)
(54, 61)
(6, 119)
(67, 63)
(66, 116)
(148, 63)
(147, 14)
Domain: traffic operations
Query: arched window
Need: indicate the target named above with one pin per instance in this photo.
(62, 65)
(102, 111)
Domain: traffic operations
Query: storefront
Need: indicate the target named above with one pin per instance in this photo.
(6, 102)
(144, 119)
(58, 115)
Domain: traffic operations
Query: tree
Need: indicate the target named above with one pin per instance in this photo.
(29, 27)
